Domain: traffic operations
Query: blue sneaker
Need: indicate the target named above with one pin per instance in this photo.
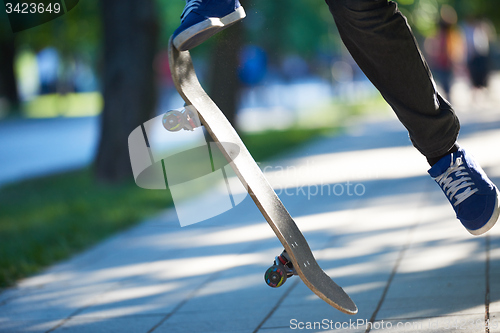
(202, 19)
(473, 196)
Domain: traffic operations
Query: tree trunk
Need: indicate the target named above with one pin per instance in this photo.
(224, 81)
(130, 44)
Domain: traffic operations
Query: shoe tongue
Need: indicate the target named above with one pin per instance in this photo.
(441, 166)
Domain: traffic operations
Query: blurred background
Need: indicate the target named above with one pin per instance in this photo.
(73, 89)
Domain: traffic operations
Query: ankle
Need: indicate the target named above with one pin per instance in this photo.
(434, 160)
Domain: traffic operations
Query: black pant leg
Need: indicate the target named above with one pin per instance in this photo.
(379, 39)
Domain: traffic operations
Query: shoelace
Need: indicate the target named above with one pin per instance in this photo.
(190, 5)
(446, 181)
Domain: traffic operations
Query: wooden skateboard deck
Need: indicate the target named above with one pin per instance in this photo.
(253, 179)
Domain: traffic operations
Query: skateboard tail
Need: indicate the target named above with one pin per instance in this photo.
(251, 176)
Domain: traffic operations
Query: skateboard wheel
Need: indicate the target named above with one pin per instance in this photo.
(172, 121)
(275, 276)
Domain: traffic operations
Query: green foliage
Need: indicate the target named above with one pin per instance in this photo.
(267, 144)
(169, 13)
(299, 27)
(423, 15)
(302, 27)
(78, 31)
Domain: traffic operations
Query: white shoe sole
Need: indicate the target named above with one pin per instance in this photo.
(200, 32)
(492, 220)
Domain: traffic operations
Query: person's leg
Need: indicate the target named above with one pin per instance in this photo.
(382, 44)
(201, 19)
(378, 37)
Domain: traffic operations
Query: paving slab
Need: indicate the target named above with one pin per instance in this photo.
(28, 325)
(133, 324)
(494, 322)
(453, 324)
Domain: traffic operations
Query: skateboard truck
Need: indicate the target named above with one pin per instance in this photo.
(277, 274)
(185, 118)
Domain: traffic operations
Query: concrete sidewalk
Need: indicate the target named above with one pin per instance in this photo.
(375, 220)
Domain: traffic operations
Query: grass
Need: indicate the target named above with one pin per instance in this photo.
(267, 144)
(45, 220)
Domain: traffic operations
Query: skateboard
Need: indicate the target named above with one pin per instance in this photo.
(297, 258)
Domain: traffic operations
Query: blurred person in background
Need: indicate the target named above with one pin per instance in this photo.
(381, 42)
(48, 70)
(446, 50)
(478, 35)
